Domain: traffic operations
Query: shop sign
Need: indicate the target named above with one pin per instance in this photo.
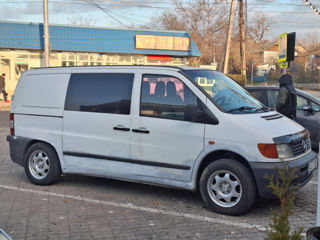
(156, 42)
(159, 58)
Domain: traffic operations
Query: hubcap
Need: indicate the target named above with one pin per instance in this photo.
(224, 188)
(39, 164)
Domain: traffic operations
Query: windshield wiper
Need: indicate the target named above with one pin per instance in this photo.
(243, 108)
(265, 109)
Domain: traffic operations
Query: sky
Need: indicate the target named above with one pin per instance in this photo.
(287, 15)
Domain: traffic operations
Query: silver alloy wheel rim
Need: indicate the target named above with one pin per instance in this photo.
(39, 164)
(224, 188)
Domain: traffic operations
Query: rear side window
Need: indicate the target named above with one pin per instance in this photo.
(100, 92)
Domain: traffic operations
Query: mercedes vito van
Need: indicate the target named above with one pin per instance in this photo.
(181, 127)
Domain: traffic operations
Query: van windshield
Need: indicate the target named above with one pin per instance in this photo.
(226, 94)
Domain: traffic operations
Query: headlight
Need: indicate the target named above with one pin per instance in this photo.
(275, 151)
(284, 151)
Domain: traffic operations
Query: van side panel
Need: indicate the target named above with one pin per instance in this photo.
(38, 107)
(41, 128)
(43, 94)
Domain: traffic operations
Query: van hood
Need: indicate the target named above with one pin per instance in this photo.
(265, 126)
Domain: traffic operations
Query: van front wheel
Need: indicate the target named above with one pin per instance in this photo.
(42, 164)
(227, 187)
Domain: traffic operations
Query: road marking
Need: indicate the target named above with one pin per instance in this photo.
(139, 208)
(312, 182)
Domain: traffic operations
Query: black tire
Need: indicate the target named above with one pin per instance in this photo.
(235, 184)
(41, 164)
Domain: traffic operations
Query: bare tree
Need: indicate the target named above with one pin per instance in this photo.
(207, 23)
(205, 20)
(258, 28)
(80, 20)
(311, 41)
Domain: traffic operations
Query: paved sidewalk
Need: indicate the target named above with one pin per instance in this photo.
(5, 106)
(80, 207)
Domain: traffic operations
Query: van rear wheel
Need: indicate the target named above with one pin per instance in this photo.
(227, 187)
(42, 164)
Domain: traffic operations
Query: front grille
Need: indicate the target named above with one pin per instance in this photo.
(300, 146)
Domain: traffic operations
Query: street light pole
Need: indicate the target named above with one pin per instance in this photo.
(46, 32)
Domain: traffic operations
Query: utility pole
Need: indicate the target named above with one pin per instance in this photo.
(227, 52)
(242, 41)
(246, 16)
(46, 33)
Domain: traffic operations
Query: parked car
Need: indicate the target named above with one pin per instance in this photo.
(4, 235)
(308, 108)
(181, 127)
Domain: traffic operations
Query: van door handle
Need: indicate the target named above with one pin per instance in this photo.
(121, 128)
(141, 130)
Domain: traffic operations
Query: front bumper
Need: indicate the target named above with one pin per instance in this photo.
(260, 170)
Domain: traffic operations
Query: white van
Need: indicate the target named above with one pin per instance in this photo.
(181, 127)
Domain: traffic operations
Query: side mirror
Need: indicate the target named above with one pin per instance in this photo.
(4, 235)
(307, 108)
(313, 233)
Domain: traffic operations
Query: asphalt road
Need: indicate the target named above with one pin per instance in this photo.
(82, 207)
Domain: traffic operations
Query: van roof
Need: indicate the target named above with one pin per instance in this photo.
(69, 69)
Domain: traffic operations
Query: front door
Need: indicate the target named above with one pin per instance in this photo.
(96, 124)
(307, 119)
(164, 143)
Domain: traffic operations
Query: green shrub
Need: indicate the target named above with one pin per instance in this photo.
(273, 77)
(238, 78)
(282, 187)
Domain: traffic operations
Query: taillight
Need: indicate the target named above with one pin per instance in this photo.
(11, 124)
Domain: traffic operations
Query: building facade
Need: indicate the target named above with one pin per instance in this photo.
(21, 48)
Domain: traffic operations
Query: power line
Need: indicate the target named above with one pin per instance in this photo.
(315, 9)
(93, 3)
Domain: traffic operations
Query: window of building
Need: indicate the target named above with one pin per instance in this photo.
(22, 56)
(154, 62)
(83, 57)
(177, 61)
(112, 59)
(167, 97)
(71, 57)
(125, 59)
(100, 92)
(54, 56)
(35, 56)
(138, 59)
